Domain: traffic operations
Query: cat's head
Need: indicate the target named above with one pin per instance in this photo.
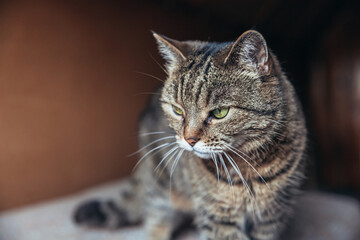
(220, 95)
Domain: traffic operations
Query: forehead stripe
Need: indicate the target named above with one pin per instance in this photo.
(204, 79)
(206, 53)
(206, 72)
(180, 88)
(197, 94)
(208, 97)
(192, 68)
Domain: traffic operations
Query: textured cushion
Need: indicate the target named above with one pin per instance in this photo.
(319, 216)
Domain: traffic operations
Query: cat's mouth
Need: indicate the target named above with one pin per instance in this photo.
(206, 154)
(201, 154)
(199, 149)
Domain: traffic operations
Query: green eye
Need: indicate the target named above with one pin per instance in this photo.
(177, 110)
(220, 112)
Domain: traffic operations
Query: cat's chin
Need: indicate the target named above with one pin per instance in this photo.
(202, 154)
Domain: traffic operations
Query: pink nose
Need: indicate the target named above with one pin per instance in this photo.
(192, 141)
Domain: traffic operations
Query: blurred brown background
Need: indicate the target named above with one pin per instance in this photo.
(71, 91)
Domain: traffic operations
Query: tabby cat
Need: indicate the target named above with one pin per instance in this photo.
(222, 143)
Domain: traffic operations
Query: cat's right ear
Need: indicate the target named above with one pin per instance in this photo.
(251, 51)
(173, 51)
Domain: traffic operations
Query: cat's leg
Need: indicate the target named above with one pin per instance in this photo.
(164, 218)
(271, 223)
(159, 224)
(161, 219)
(223, 233)
(125, 210)
(275, 216)
(214, 228)
(266, 230)
(270, 226)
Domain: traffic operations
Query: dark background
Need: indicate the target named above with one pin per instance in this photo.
(71, 91)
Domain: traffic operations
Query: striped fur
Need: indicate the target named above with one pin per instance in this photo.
(240, 179)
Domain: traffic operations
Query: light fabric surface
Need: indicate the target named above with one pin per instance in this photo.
(52, 220)
(319, 216)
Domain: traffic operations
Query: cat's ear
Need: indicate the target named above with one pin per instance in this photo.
(250, 50)
(172, 50)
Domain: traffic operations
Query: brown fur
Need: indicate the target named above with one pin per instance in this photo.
(239, 179)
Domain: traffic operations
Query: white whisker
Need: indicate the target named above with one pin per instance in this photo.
(165, 156)
(158, 140)
(240, 152)
(151, 133)
(213, 157)
(154, 149)
(272, 120)
(261, 177)
(162, 68)
(278, 133)
(176, 162)
(147, 93)
(227, 174)
(169, 160)
(236, 167)
(152, 76)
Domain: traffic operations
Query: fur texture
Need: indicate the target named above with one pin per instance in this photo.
(237, 176)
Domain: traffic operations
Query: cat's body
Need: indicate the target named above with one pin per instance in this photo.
(223, 142)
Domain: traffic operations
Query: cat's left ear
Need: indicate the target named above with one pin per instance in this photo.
(172, 50)
(250, 50)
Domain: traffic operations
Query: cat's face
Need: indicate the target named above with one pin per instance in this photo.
(215, 104)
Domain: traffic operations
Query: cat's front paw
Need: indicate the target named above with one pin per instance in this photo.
(90, 214)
